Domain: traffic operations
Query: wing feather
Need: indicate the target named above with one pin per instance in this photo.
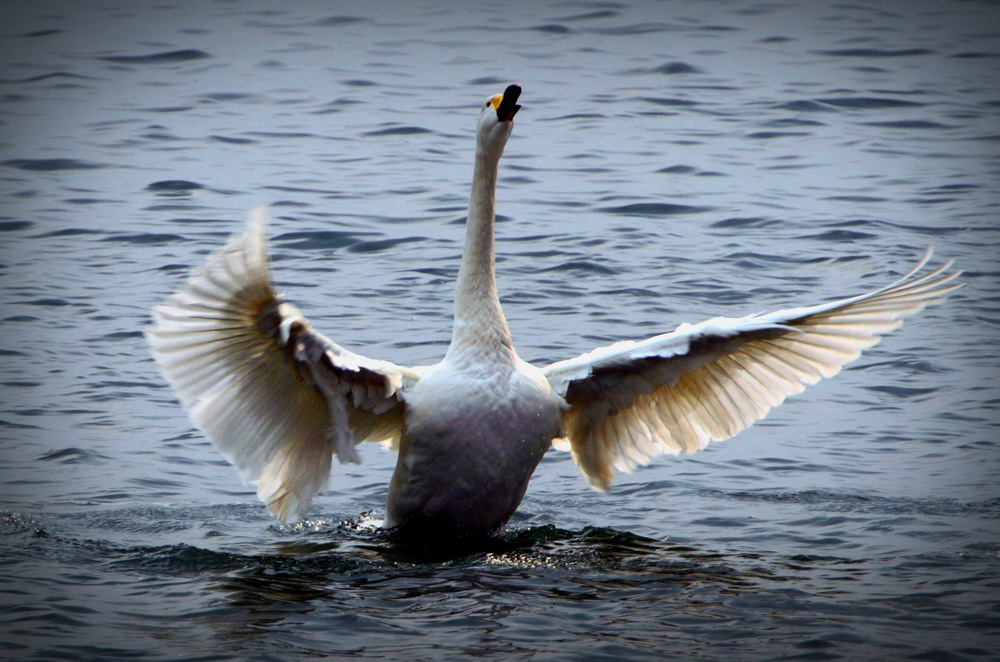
(276, 397)
(678, 391)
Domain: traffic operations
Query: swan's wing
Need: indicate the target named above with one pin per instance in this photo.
(676, 392)
(276, 396)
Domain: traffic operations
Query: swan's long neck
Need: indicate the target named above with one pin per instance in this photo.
(481, 334)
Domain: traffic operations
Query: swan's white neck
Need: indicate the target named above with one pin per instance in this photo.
(481, 335)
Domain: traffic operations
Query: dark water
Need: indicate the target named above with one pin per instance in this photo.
(671, 162)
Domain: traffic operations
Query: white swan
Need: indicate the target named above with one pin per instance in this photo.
(279, 399)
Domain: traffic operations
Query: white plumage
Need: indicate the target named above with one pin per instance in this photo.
(280, 399)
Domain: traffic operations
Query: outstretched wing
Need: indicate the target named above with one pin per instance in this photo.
(676, 392)
(277, 397)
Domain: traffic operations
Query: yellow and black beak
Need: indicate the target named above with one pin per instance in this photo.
(506, 103)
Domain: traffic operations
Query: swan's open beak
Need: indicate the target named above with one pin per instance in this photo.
(508, 104)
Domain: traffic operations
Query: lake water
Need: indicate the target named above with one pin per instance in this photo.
(672, 161)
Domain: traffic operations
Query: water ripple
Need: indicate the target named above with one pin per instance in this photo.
(50, 165)
(654, 209)
(168, 57)
(875, 52)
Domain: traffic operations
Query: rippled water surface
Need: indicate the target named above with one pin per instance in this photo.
(672, 161)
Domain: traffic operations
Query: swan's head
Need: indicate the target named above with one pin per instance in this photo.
(497, 119)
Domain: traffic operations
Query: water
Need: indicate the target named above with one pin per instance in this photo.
(671, 162)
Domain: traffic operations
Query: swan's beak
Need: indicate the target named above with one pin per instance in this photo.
(508, 103)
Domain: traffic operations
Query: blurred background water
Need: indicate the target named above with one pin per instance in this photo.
(672, 161)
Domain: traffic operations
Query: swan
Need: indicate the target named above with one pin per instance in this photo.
(279, 399)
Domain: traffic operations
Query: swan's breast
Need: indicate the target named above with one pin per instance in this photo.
(471, 442)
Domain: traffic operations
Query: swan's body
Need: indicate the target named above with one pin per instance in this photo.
(280, 399)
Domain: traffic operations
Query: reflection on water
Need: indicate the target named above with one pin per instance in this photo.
(478, 598)
(671, 162)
